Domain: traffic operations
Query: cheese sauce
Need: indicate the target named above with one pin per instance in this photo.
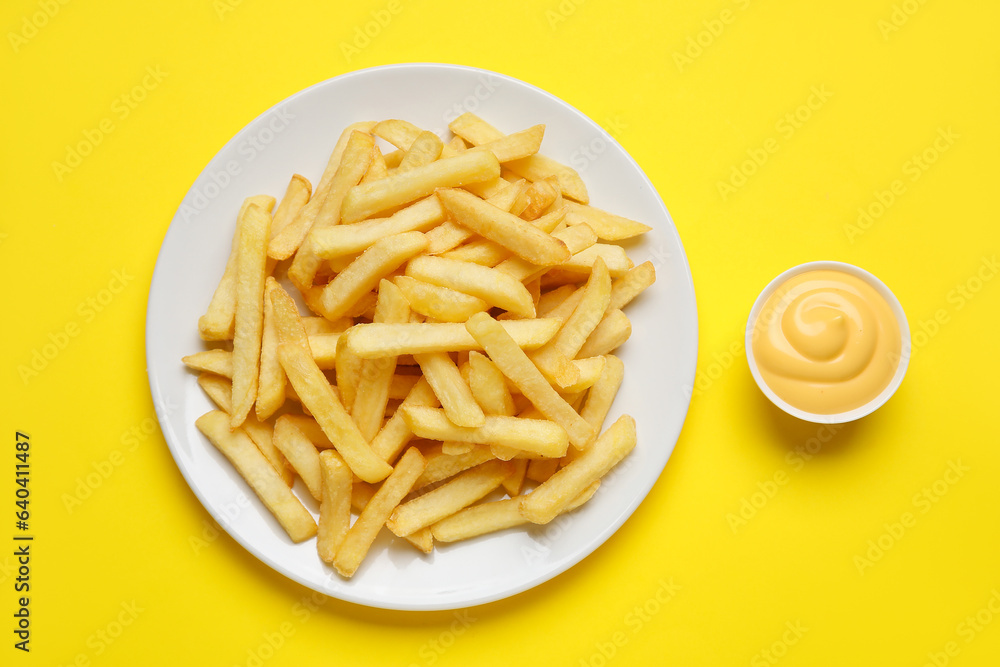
(826, 342)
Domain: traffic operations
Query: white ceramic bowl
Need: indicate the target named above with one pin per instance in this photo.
(894, 305)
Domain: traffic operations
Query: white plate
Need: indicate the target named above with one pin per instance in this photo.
(297, 136)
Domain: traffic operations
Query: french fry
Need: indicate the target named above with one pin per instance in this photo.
(516, 365)
(292, 235)
(602, 394)
(453, 147)
(353, 165)
(364, 274)
(440, 465)
(462, 491)
(576, 240)
(451, 389)
(441, 303)
(613, 330)
(552, 496)
(300, 453)
(376, 374)
(453, 448)
(377, 169)
(614, 257)
(488, 385)
(296, 196)
(536, 198)
(631, 285)
(539, 470)
(220, 391)
(520, 237)
(251, 262)
(370, 341)
(534, 436)
(287, 323)
(348, 366)
(258, 473)
(359, 538)
(450, 234)
(426, 148)
(219, 321)
(342, 240)
(488, 284)
(324, 349)
(317, 395)
(553, 358)
(396, 433)
(321, 325)
(399, 133)
(513, 483)
(536, 167)
(367, 199)
(609, 227)
(552, 299)
(219, 362)
(590, 370)
(271, 382)
(335, 505)
(517, 145)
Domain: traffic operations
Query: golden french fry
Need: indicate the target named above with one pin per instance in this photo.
(613, 330)
(540, 470)
(220, 391)
(514, 482)
(552, 299)
(376, 374)
(364, 274)
(520, 237)
(488, 284)
(324, 349)
(344, 240)
(551, 497)
(258, 473)
(287, 321)
(553, 358)
(488, 386)
(370, 341)
(426, 148)
(609, 227)
(335, 504)
(317, 395)
(367, 199)
(296, 196)
(453, 147)
(440, 465)
(300, 453)
(219, 321)
(614, 257)
(517, 145)
(576, 239)
(492, 517)
(462, 491)
(536, 198)
(602, 394)
(359, 538)
(399, 133)
(271, 382)
(450, 234)
(250, 273)
(348, 367)
(450, 388)
(219, 362)
(321, 325)
(516, 365)
(377, 169)
(631, 285)
(396, 433)
(291, 237)
(535, 436)
(456, 448)
(589, 372)
(441, 303)
(353, 165)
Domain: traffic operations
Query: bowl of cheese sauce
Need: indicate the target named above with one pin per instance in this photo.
(827, 342)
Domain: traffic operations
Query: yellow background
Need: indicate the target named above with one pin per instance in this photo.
(889, 89)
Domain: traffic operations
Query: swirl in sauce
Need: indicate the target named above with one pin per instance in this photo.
(826, 342)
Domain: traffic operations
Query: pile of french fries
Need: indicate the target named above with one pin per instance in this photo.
(455, 373)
